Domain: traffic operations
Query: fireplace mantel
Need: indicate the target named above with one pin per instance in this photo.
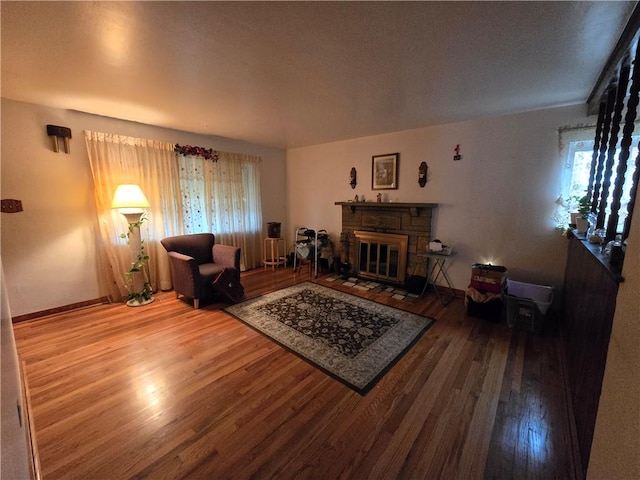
(413, 207)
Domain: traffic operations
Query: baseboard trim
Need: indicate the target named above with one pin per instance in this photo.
(64, 308)
(445, 291)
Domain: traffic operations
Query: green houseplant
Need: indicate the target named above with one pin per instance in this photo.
(139, 266)
(584, 208)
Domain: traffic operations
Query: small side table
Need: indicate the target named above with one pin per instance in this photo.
(438, 268)
(272, 246)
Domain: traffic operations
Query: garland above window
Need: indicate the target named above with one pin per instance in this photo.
(206, 153)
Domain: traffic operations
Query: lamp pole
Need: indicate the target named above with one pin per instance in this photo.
(130, 201)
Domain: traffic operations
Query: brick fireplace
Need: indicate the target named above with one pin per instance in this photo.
(410, 220)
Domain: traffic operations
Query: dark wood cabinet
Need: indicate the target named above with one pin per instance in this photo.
(590, 290)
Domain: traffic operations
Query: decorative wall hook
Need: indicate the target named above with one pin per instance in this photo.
(352, 177)
(56, 132)
(422, 174)
(457, 155)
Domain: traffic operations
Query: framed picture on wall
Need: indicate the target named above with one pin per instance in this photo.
(384, 171)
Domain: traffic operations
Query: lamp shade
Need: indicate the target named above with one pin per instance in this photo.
(129, 199)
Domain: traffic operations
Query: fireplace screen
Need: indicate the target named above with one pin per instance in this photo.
(382, 256)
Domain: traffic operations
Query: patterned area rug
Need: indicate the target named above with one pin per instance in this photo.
(354, 339)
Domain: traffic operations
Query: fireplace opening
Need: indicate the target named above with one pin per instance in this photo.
(381, 256)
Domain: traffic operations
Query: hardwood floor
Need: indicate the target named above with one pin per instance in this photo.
(166, 391)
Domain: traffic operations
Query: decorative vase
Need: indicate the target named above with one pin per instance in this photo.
(574, 217)
(273, 229)
(582, 224)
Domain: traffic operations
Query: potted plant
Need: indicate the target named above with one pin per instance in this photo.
(582, 219)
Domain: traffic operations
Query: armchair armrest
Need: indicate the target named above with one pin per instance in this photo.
(185, 272)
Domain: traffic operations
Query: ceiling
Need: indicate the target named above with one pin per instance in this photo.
(289, 74)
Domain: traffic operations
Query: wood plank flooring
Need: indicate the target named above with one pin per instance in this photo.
(166, 391)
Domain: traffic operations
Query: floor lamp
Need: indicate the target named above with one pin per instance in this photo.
(131, 202)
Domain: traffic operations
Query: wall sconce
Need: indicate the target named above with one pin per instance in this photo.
(56, 132)
(422, 174)
(353, 177)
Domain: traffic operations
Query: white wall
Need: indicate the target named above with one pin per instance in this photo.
(495, 205)
(49, 249)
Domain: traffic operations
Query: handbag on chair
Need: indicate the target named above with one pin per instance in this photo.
(226, 283)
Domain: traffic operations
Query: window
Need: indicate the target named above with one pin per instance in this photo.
(222, 196)
(578, 153)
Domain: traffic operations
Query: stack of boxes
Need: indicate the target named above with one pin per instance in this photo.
(483, 298)
(490, 289)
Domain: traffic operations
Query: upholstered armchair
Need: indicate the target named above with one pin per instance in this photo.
(196, 261)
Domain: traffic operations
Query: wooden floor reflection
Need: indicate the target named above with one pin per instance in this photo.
(166, 391)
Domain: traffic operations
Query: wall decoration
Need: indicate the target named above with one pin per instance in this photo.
(384, 171)
(457, 155)
(9, 205)
(422, 174)
(206, 153)
(353, 177)
(56, 132)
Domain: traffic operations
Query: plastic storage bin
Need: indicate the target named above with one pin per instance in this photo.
(527, 305)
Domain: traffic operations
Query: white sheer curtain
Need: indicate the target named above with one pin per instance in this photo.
(223, 197)
(117, 159)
